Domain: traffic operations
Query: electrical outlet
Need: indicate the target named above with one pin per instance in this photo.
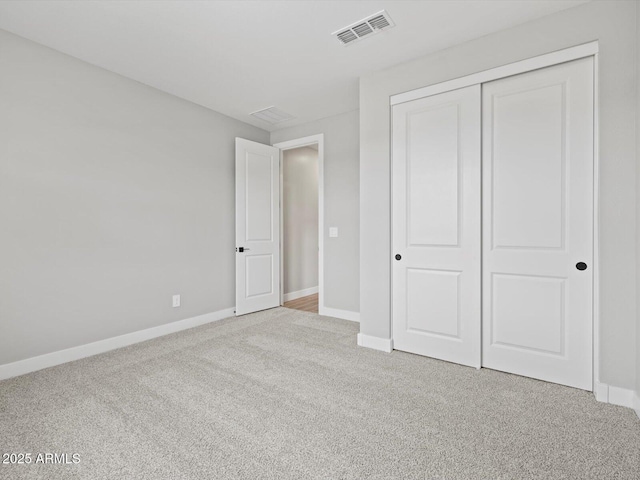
(333, 232)
(176, 301)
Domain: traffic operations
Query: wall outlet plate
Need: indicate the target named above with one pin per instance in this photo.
(333, 232)
(176, 301)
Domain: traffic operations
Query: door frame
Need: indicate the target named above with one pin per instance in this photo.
(590, 49)
(289, 145)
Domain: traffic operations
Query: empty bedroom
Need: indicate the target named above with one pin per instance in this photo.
(246, 239)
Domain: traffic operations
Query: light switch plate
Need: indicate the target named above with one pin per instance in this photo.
(333, 232)
(176, 301)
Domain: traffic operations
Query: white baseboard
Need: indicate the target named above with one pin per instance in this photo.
(337, 313)
(287, 297)
(601, 391)
(623, 397)
(377, 343)
(32, 364)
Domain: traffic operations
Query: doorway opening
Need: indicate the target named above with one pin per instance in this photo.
(301, 215)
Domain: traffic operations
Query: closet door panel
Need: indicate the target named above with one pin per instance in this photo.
(436, 226)
(538, 223)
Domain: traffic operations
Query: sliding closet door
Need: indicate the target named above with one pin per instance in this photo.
(538, 224)
(436, 226)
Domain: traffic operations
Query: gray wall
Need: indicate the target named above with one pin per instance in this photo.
(614, 25)
(300, 218)
(638, 210)
(341, 207)
(113, 197)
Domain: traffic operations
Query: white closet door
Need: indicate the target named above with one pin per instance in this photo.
(436, 226)
(538, 224)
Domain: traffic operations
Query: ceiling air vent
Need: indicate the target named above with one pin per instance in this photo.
(356, 31)
(272, 115)
(362, 29)
(347, 36)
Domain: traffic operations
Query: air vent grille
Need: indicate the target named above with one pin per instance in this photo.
(366, 26)
(362, 29)
(272, 115)
(347, 36)
(379, 22)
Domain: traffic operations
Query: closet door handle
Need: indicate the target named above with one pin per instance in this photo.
(398, 256)
(581, 266)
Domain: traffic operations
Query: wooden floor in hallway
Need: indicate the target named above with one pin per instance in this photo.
(306, 304)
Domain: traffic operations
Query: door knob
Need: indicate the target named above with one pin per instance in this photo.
(581, 266)
(398, 256)
(242, 249)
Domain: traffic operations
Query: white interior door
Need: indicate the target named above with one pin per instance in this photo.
(257, 226)
(538, 224)
(436, 226)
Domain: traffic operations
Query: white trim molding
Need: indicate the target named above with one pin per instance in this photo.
(622, 397)
(287, 297)
(596, 222)
(47, 360)
(337, 313)
(601, 392)
(376, 343)
(535, 63)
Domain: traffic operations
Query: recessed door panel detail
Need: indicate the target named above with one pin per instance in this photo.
(259, 276)
(528, 313)
(528, 167)
(259, 195)
(433, 302)
(432, 176)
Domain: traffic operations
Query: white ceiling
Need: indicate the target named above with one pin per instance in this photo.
(240, 56)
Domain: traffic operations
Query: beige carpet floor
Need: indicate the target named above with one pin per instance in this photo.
(285, 394)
